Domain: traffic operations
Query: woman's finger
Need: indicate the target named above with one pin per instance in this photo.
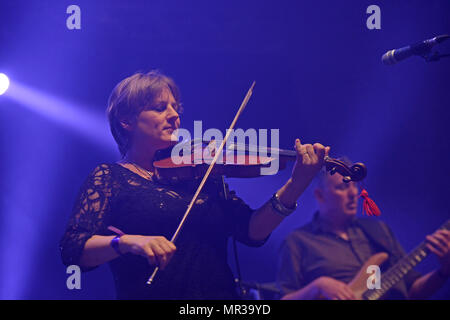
(167, 246)
(302, 154)
(150, 255)
(168, 249)
(319, 149)
(161, 255)
(312, 155)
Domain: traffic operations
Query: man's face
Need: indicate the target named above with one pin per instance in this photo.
(155, 125)
(337, 197)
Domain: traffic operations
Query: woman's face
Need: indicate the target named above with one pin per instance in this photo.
(154, 126)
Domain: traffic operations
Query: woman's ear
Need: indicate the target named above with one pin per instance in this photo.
(126, 124)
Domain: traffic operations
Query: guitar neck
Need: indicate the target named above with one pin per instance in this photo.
(391, 277)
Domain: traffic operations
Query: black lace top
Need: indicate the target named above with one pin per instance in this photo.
(112, 195)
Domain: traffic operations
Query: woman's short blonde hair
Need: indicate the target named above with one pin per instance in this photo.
(130, 97)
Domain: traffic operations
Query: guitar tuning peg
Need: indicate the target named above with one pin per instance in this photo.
(333, 171)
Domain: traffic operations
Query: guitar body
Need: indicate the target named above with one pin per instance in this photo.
(359, 282)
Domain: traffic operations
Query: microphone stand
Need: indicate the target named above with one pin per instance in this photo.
(435, 56)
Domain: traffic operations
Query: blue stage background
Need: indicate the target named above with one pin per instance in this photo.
(318, 77)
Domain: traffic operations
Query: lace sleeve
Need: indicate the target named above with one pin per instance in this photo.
(88, 215)
(240, 213)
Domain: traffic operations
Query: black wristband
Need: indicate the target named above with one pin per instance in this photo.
(279, 208)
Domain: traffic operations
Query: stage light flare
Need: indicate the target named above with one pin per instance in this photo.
(4, 83)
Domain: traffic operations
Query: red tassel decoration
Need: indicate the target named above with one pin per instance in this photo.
(369, 206)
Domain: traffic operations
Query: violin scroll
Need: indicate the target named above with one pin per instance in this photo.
(356, 172)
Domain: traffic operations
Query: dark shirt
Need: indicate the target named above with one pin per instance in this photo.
(309, 252)
(115, 196)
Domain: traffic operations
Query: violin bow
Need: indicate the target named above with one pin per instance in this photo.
(205, 177)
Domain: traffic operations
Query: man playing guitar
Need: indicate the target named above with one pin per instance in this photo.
(320, 259)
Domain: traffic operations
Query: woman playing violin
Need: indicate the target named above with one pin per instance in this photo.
(143, 112)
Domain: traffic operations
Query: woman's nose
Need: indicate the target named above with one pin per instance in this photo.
(171, 112)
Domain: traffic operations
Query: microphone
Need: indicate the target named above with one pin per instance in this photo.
(418, 49)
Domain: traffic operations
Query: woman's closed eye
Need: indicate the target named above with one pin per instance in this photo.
(160, 107)
(163, 106)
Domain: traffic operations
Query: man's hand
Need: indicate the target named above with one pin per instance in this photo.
(439, 244)
(333, 289)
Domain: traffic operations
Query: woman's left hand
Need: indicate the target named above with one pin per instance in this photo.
(310, 159)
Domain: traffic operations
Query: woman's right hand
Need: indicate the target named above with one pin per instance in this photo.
(157, 249)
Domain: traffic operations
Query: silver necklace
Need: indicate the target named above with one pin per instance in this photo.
(142, 170)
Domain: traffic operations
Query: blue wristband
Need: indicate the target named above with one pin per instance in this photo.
(115, 244)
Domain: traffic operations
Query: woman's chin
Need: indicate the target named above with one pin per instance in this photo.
(166, 142)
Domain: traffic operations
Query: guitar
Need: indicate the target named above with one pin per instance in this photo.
(390, 277)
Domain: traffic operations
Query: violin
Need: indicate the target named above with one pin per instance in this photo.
(238, 161)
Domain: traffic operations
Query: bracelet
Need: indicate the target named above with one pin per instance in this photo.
(280, 208)
(115, 244)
